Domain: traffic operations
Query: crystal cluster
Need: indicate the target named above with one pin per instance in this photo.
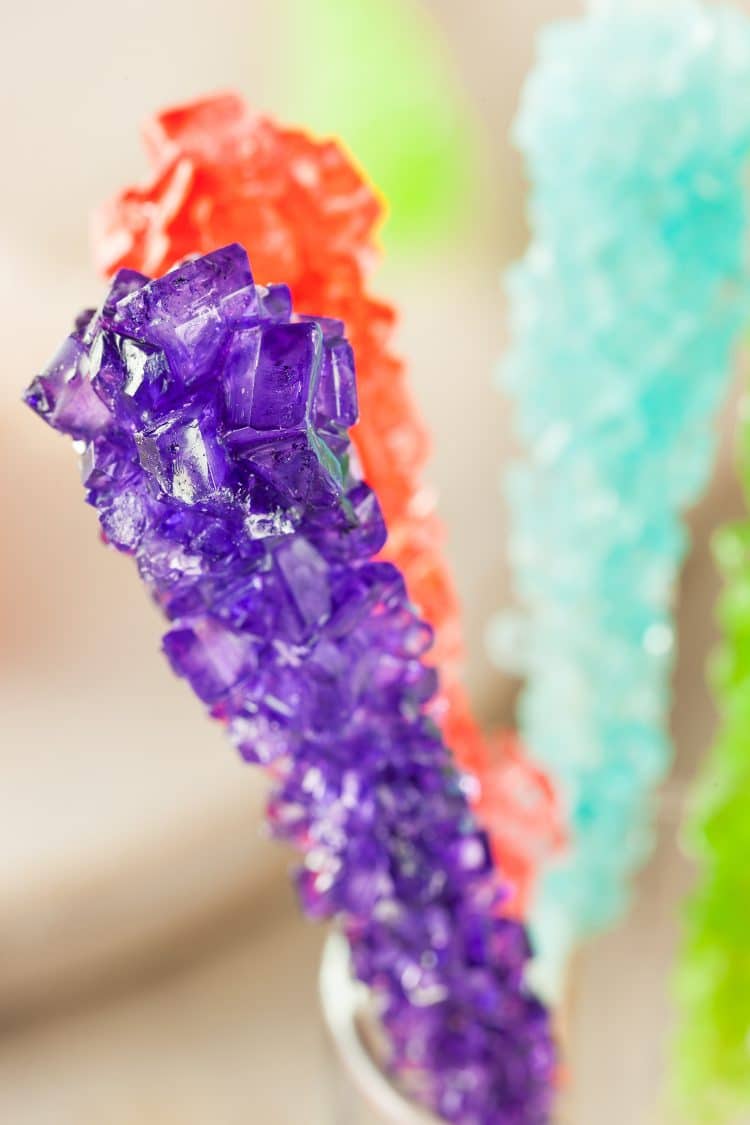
(304, 214)
(213, 429)
(713, 981)
(623, 316)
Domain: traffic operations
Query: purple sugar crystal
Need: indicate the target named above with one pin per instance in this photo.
(216, 453)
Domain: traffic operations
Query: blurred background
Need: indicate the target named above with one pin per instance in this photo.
(153, 966)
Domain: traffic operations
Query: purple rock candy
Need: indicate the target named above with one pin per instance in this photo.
(214, 423)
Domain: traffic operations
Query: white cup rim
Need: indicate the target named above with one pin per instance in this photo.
(341, 999)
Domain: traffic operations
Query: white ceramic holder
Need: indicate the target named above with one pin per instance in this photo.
(364, 1095)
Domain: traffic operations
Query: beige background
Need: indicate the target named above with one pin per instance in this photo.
(152, 965)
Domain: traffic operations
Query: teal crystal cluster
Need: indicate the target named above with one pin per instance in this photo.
(623, 314)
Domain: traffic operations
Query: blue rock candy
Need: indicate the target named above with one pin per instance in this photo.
(624, 310)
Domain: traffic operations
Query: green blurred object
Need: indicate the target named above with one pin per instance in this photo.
(379, 75)
(712, 1052)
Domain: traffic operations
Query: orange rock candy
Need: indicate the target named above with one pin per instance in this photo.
(306, 216)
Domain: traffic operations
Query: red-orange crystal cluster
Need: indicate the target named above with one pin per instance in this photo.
(306, 216)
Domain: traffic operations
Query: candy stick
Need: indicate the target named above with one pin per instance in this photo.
(624, 312)
(213, 430)
(305, 214)
(712, 1066)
